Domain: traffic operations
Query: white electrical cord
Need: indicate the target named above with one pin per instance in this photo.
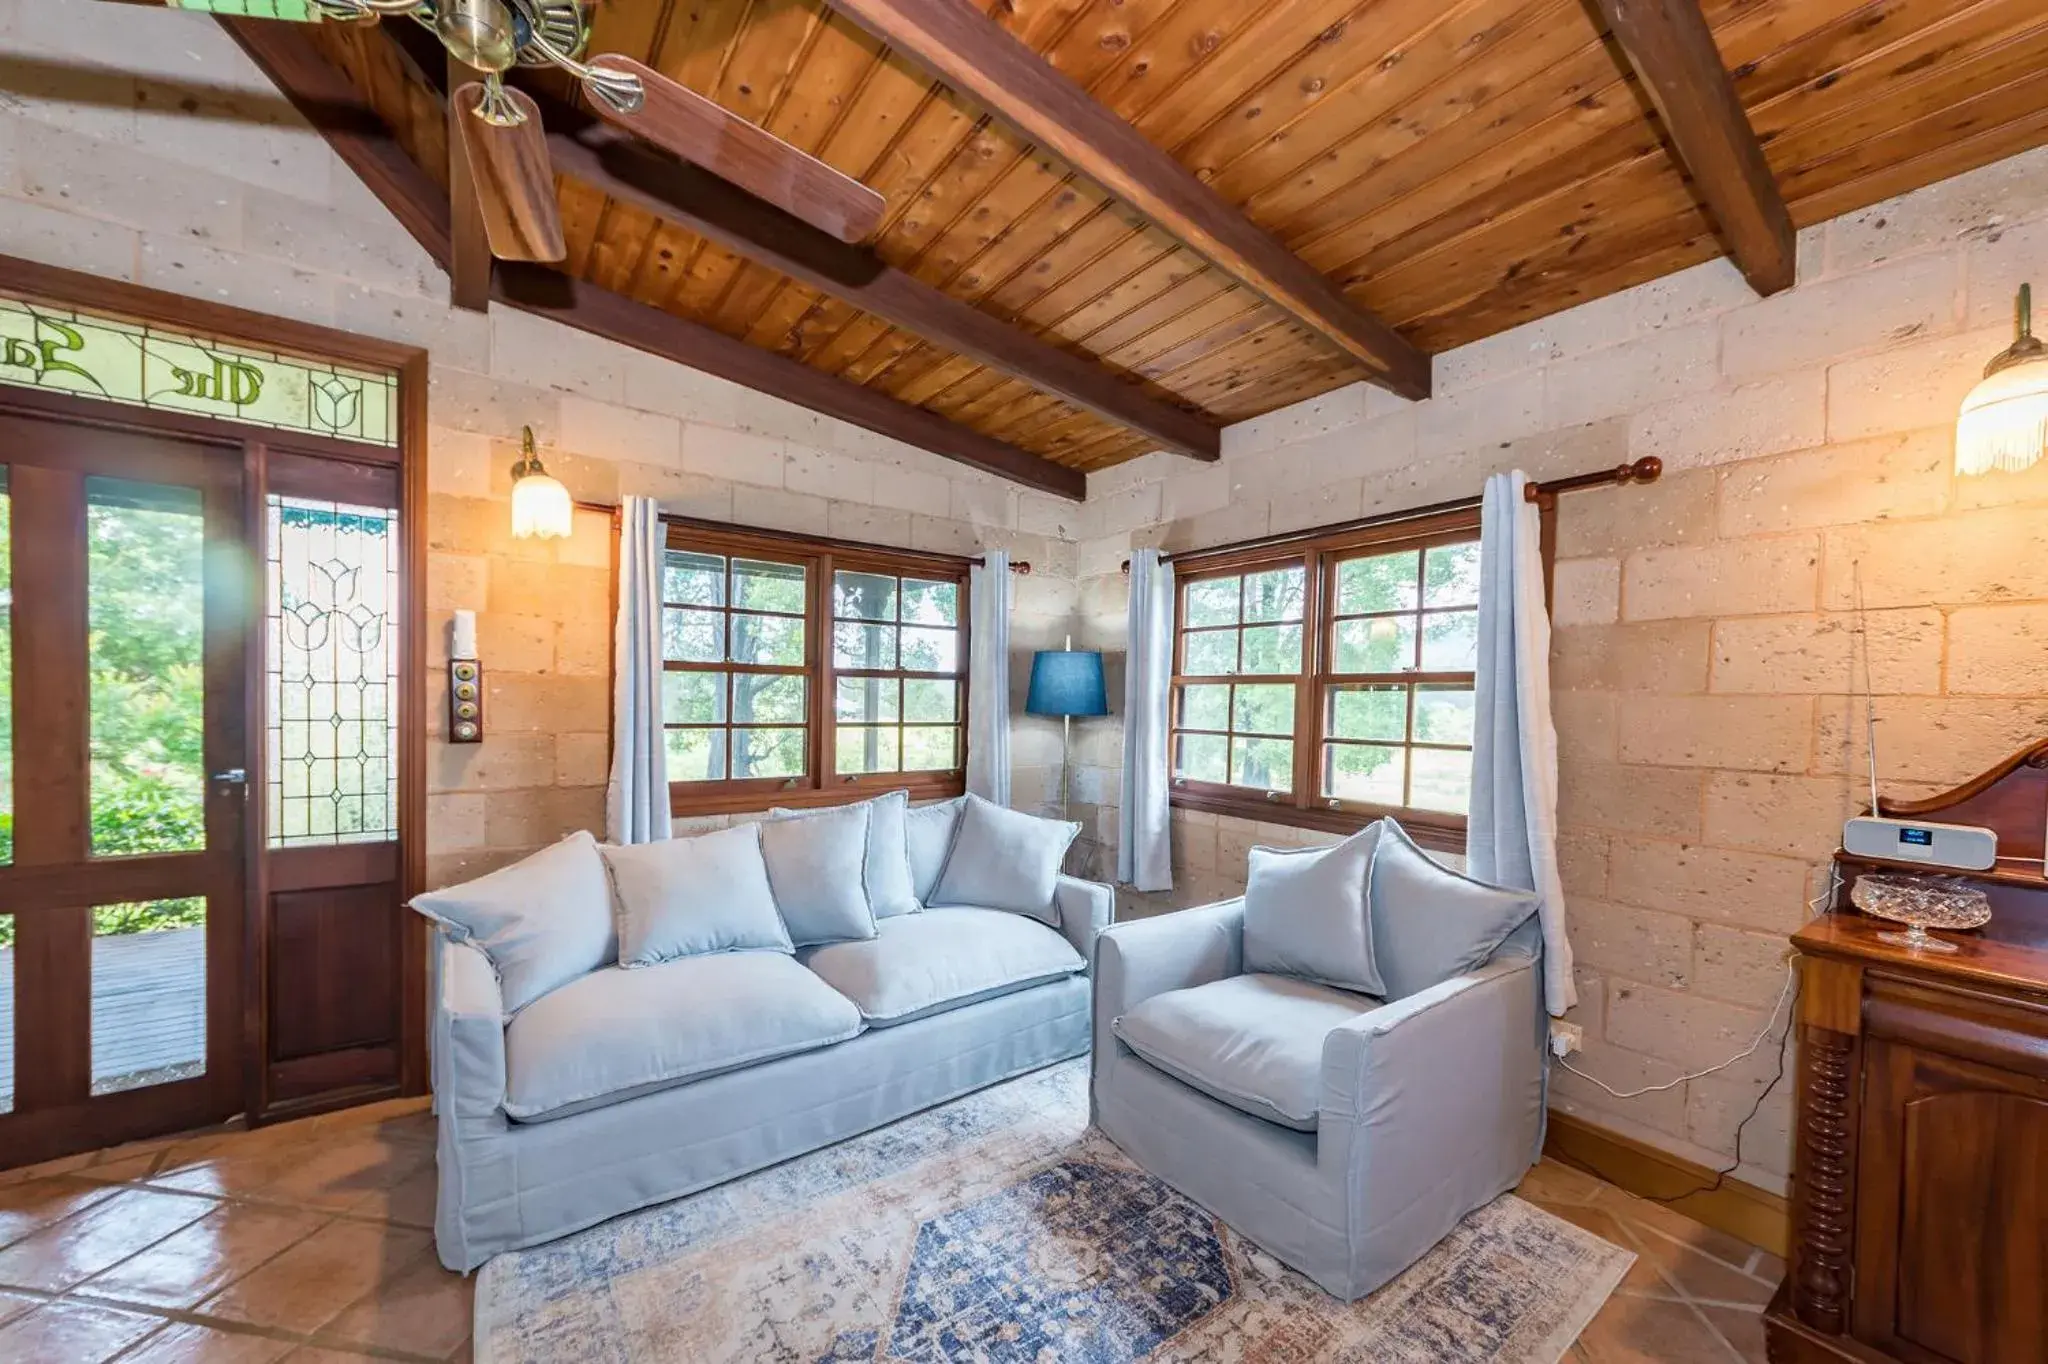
(1814, 907)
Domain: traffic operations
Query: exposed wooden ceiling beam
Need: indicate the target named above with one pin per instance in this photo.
(958, 43)
(1673, 52)
(628, 170)
(343, 115)
(469, 261)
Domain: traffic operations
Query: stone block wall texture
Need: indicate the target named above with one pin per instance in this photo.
(1706, 654)
(1705, 625)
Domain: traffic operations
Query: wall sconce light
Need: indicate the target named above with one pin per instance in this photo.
(2004, 421)
(541, 508)
(465, 683)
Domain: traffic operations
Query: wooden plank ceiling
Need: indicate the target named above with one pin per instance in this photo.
(1458, 167)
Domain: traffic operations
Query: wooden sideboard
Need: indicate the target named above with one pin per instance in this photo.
(1920, 1182)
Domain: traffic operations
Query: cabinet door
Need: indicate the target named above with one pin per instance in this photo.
(1952, 1240)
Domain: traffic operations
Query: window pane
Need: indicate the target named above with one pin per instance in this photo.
(1443, 779)
(1450, 641)
(1205, 707)
(6, 997)
(145, 547)
(1274, 595)
(692, 636)
(1382, 644)
(696, 755)
(1203, 757)
(148, 993)
(1212, 601)
(928, 699)
(1210, 653)
(1267, 764)
(760, 586)
(693, 579)
(1272, 649)
(930, 651)
(864, 596)
(693, 698)
(1264, 710)
(930, 748)
(1369, 713)
(866, 748)
(927, 603)
(775, 640)
(1384, 582)
(866, 700)
(864, 646)
(1450, 575)
(1366, 772)
(767, 753)
(6, 774)
(1443, 714)
(767, 699)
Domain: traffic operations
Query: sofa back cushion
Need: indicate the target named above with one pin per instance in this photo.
(928, 836)
(1305, 913)
(942, 959)
(684, 897)
(1428, 922)
(543, 921)
(888, 877)
(1005, 859)
(817, 867)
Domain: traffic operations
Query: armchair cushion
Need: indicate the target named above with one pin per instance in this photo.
(1429, 923)
(1254, 1042)
(1305, 913)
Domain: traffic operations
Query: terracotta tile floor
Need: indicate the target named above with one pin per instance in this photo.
(311, 1242)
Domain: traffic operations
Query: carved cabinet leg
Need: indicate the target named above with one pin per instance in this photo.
(1822, 1209)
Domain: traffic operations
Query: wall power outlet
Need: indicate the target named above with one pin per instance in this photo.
(1566, 1038)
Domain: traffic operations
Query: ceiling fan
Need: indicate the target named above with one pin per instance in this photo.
(501, 127)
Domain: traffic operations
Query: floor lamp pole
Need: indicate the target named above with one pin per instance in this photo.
(1066, 761)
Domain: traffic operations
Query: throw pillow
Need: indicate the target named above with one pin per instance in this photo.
(1005, 859)
(817, 867)
(1305, 913)
(889, 883)
(685, 897)
(543, 921)
(1428, 922)
(928, 835)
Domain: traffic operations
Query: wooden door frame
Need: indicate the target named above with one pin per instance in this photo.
(58, 287)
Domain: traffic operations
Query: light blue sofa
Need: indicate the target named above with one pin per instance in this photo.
(1419, 1109)
(509, 1182)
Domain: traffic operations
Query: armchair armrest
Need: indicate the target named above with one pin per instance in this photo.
(1145, 957)
(1085, 909)
(469, 1033)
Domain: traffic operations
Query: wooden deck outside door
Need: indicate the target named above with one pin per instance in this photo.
(133, 586)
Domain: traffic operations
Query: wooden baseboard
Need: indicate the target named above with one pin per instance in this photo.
(1757, 1216)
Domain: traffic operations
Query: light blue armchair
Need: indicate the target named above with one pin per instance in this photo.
(1424, 1108)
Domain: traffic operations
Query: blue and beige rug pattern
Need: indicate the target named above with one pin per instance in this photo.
(1000, 1227)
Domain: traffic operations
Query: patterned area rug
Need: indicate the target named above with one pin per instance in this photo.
(1000, 1227)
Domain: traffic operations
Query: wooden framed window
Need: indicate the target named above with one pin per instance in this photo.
(808, 672)
(1330, 681)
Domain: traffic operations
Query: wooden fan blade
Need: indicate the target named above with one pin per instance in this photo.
(679, 119)
(515, 182)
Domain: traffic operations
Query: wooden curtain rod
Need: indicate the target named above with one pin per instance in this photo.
(1648, 469)
(611, 509)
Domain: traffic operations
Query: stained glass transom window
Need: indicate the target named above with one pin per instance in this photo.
(332, 661)
(119, 361)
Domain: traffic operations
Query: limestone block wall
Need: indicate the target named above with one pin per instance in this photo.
(1704, 657)
(141, 145)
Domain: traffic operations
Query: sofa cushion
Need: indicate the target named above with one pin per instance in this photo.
(1005, 859)
(618, 1033)
(942, 959)
(683, 897)
(888, 880)
(543, 921)
(818, 868)
(1428, 922)
(928, 836)
(1305, 913)
(1254, 1041)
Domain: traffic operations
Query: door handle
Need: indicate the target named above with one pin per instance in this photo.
(234, 776)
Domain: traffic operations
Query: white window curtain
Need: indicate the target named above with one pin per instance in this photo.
(1144, 857)
(1511, 837)
(988, 678)
(636, 806)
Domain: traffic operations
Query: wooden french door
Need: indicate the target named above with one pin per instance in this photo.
(127, 610)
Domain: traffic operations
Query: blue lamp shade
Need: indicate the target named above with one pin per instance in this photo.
(1066, 682)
